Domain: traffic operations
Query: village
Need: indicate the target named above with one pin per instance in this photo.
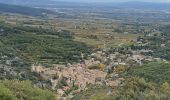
(100, 68)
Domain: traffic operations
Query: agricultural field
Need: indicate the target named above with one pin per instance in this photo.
(84, 52)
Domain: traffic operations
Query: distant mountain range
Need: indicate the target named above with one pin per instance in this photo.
(27, 2)
(144, 5)
(51, 3)
(24, 10)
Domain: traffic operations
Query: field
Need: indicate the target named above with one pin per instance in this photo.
(90, 34)
(120, 53)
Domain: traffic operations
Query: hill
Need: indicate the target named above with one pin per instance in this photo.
(144, 5)
(120, 5)
(23, 10)
(154, 72)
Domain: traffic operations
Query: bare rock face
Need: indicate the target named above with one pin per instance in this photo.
(53, 83)
(38, 69)
(60, 92)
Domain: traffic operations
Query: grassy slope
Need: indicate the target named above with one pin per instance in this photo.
(154, 72)
(19, 90)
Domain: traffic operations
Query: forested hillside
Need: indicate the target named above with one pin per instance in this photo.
(23, 90)
(21, 46)
(152, 72)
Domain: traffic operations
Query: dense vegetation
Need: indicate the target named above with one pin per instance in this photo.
(152, 72)
(160, 43)
(22, 90)
(41, 45)
(132, 89)
(21, 46)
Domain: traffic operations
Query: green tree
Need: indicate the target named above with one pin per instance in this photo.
(5, 93)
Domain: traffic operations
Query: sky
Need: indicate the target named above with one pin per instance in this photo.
(114, 0)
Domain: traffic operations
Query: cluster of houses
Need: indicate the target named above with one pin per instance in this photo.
(74, 75)
(81, 74)
(114, 59)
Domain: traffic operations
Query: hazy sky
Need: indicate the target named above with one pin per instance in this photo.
(115, 0)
